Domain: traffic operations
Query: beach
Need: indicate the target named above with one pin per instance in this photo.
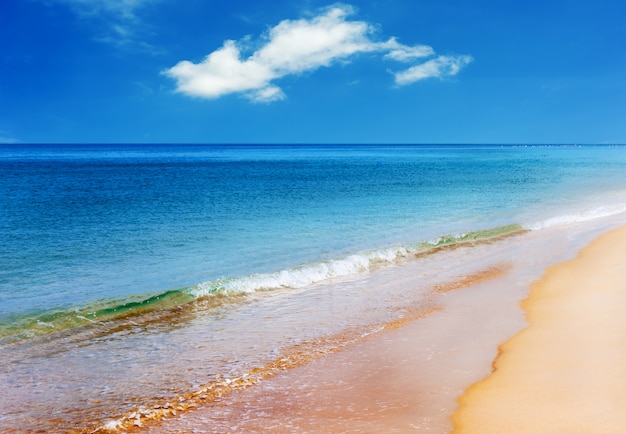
(568, 377)
(277, 288)
(566, 372)
(311, 216)
(409, 378)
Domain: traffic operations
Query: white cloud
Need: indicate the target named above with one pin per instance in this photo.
(294, 47)
(297, 46)
(267, 94)
(442, 66)
(221, 73)
(403, 53)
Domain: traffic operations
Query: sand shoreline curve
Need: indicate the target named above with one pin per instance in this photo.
(565, 372)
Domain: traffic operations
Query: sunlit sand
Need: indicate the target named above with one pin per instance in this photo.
(566, 372)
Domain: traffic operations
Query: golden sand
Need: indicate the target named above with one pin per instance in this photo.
(566, 372)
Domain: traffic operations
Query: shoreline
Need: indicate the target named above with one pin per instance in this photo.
(406, 379)
(399, 380)
(441, 319)
(226, 291)
(566, 371)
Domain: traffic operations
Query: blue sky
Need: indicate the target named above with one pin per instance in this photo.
(308, 71)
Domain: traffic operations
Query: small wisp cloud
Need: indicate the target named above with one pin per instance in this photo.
(122, 9)
(298, 46)
(119, 18)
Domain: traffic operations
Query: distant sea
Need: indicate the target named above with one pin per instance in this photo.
(121, 264)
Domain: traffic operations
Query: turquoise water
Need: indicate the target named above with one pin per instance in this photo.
(93, 226)
(93, 233)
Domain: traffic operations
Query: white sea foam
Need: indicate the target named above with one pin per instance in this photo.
(300, 277)
(580, 217)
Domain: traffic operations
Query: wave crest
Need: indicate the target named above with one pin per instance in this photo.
(300, 277)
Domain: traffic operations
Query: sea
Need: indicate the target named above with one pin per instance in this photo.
(138, 281)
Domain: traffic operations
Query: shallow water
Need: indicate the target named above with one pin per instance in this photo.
(107, 372)
(272, 256)
(407, 378)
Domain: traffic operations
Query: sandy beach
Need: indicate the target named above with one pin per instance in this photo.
(566, 372)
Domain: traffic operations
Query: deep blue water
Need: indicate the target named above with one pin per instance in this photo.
(96, 225)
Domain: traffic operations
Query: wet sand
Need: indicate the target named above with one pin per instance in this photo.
(410, 378)
(404, 379)
(566, 372)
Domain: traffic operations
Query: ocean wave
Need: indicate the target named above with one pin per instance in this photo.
(579, 217)
(357, 264)
(33, 325)
(300, 277)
